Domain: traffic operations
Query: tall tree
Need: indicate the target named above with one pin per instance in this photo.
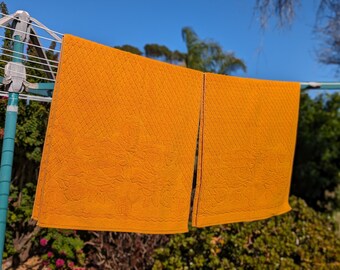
(316, 174)
(129, 48)
(209, 56)
(327, 24)
(328, 28)
(7, 45)
(162, 52)
(203, 55)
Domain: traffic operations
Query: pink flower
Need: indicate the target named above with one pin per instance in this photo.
(59, 263)
(43, 242)
(70, 265)
(49, 254)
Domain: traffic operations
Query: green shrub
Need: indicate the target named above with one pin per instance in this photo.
(316, 176)
(300, 239)
(19, 224)
(63, 248)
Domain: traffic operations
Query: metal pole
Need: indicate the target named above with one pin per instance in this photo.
(8, 149)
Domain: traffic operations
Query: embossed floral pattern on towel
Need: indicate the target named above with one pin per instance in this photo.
(120, 159)
(247, 147)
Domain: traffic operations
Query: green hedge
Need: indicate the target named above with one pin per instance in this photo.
(300, 239)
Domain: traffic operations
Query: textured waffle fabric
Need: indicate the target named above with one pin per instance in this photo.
(248, 132)
(120, 146)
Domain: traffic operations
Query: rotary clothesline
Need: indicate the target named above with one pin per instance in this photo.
(28, 97)
(42, 37)
(33, 22)
(14, 82)
(304, 86)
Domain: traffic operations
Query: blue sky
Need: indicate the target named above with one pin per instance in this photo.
(275, 54)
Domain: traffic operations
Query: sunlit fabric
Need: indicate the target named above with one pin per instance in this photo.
(247, 141)
(119, 152)
(120, 145)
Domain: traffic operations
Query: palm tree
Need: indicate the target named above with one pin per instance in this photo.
(208, 56)
(203, 55)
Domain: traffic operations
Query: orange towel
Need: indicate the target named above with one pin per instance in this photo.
(120, 145)
(247, 142)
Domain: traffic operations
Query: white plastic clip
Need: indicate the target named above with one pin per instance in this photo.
(22, 27)
(15, 77)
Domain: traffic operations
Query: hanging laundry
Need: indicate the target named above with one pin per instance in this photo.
(247, 141)
(120, 145)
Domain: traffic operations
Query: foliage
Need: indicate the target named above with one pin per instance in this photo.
(129, 48)
(24, 239)
(327, 24)
(316, 176)
(108, 250)
(300, 239)
(62, 249)
(18, 221)
(32, 123)
(203, 55)
(328, 28)
(208, 55)
(162, 52)
(7, 45)
(285, 11)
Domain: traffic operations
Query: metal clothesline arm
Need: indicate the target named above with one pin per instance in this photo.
(46, 89)
(40, 89)
(320, 85)
(15, 82)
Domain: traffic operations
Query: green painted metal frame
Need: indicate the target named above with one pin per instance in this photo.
(321, 86)
(8, 150)
(43, 89)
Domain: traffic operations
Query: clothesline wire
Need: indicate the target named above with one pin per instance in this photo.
(34, 68)
(31, 61)
(50, 39)
(29, 75)
(27, 43)
(28, 55)
(30, 97)
(40, 98)
(34, 24)
(316, 84)
(319, 89)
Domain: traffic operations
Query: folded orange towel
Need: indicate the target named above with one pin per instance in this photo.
(247, 142)
(120, 145)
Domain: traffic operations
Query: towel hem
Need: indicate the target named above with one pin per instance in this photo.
(203, 221)
(112, 229)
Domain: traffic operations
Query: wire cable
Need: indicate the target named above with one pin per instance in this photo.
(50, 39)
(34, 24)
(31, 61)
(29, 75)
(48, 49)
(28, 55)
(34, 68)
